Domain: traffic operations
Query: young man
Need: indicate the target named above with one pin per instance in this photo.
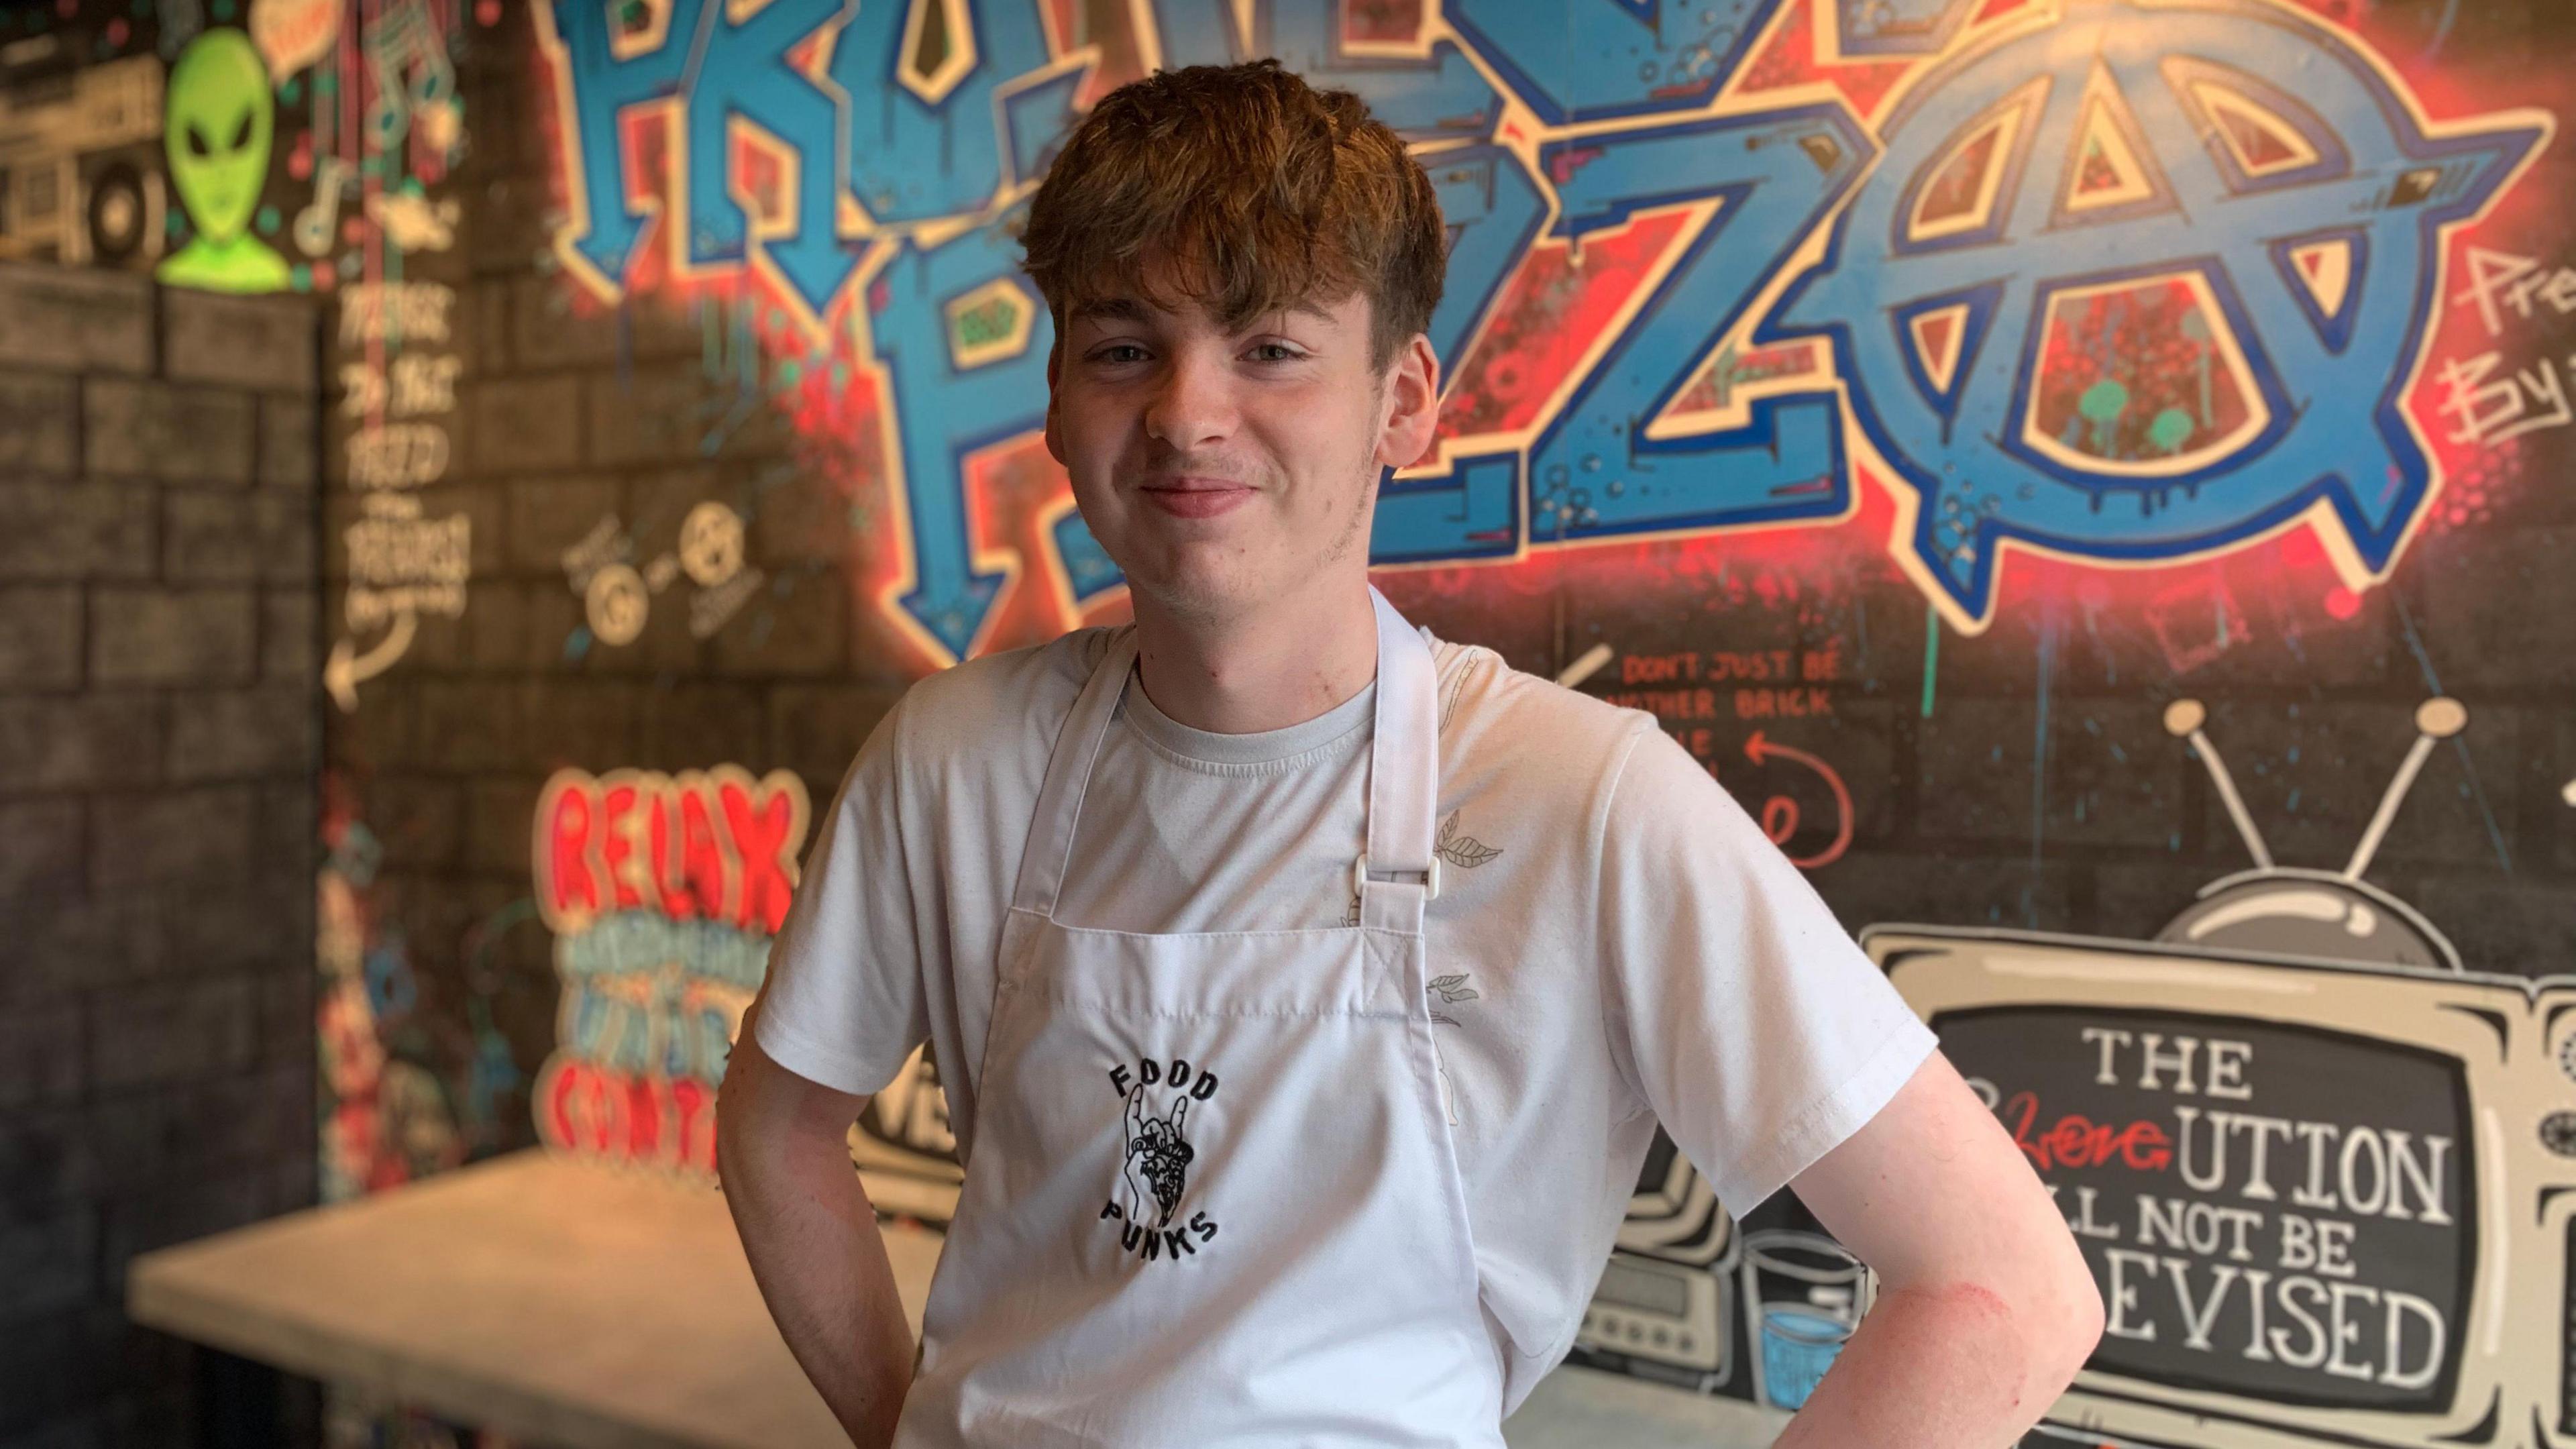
(1306, 989)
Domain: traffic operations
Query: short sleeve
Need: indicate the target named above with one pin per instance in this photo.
(1744, 1014)
(842, 1004)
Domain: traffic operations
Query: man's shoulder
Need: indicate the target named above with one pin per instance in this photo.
(1001, 699)
(1509, 718)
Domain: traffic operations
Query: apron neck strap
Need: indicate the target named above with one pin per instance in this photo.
(1403, 776)
(1404, 768)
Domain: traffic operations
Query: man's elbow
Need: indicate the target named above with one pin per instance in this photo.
(767, 1114)
(754, 1110)
(2068, 1316)
(2046, 1326)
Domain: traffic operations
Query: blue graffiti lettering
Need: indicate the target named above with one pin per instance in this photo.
(1198, 32)
(1589, 60)
(744, 76)
(1598, 469)
(924, 147)
(597, 85)
(1887, 29)
(951, 400)
(648, 995)
(1493, 210)
(1440, 98)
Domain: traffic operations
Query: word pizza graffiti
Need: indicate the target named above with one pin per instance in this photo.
(2219, 299)
(663, 892)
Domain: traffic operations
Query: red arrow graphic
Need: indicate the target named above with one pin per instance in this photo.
(1780, 813)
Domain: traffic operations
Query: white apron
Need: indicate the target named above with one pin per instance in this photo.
(1211, 1200)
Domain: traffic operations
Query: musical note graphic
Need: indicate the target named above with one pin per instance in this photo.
(320, 217)
(413, 78)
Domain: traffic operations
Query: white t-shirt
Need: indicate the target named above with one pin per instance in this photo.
(1614, 942)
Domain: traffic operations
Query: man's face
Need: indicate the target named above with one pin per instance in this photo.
(1225, 470)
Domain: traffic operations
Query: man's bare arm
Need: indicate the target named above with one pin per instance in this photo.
(1985, 1308)
(782, 1149)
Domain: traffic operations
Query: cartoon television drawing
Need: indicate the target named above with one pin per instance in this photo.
(2330, 1028)
(2299, 1053)
(80, 157)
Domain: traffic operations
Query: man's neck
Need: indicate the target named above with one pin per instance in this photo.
(1281, 666)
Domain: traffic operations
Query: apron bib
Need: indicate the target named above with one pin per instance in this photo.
(1212, 1198)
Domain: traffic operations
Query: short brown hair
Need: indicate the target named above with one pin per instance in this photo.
(1260, 191)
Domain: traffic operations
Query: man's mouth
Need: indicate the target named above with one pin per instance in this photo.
(1196, 497)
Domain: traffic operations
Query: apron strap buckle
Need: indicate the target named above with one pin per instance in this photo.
(1430, 877)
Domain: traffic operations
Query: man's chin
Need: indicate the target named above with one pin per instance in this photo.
(1194, 589)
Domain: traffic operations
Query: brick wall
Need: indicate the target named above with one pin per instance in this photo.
(158, 737)
(568, 417)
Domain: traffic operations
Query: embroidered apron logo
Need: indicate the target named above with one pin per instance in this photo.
(1154, 1168)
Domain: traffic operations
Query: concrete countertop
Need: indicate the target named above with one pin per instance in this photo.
(582, 1305)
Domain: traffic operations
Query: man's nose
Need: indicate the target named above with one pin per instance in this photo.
(1193, 402)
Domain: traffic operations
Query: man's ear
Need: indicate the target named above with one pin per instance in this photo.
(1413, 404)
(1055, 365)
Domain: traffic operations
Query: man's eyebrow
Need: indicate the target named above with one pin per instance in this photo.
(1110, 309)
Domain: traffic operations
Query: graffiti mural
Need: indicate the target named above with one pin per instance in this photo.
(662, 891)
(2081, 282)
(2111, 334)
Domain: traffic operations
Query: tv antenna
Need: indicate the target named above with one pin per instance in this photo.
(2307, 912)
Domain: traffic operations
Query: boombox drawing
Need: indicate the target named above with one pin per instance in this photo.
(80, 157)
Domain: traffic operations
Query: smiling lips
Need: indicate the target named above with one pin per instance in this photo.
(1197, 497)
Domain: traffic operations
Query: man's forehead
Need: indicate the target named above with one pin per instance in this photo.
(1125, 307)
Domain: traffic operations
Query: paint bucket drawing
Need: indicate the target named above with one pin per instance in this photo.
(1808, 1293)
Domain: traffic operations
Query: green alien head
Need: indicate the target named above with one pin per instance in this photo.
(218, 121)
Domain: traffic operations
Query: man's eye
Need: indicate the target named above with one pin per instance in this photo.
(1108, 354)
(1285, 352)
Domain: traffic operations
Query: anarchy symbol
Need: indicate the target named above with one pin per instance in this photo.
(2112, 294)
